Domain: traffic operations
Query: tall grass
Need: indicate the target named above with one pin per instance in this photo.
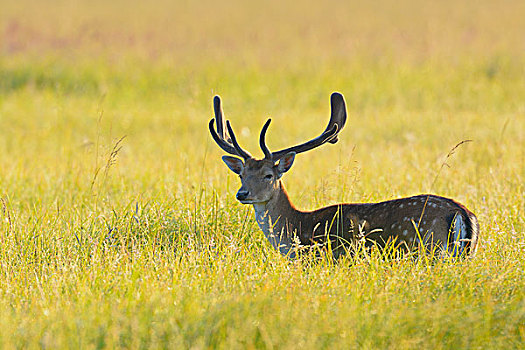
(118, 223)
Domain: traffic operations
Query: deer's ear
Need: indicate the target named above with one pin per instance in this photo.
(235, 164)
(285, 163)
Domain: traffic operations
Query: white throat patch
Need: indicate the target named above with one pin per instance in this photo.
(278, 240)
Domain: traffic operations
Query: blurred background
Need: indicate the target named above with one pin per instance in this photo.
(270, 33)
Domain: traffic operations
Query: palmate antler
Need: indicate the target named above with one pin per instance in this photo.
(335, 125)
(229, 143)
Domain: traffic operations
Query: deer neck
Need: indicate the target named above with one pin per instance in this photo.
(278, 219)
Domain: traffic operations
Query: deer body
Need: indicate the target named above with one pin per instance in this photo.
(429, 220)
(443, 220)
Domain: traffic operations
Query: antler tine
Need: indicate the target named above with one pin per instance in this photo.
(262, 142)
(338, 114)
(238, 148)
(335, 125)
(222, 137)
(220, 141)
(219, 116)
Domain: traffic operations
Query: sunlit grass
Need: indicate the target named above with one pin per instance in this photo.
(118, 222)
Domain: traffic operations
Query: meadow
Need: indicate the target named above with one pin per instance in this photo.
(119, 226)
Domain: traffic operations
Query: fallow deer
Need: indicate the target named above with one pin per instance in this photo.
(424, 220)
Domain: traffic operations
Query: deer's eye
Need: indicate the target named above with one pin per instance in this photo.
(268, 177)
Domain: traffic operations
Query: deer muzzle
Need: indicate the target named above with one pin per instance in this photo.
(242, 195)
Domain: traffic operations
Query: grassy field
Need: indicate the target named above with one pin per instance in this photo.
(118, 222)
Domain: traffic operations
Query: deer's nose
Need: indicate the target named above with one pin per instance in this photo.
(242, 195)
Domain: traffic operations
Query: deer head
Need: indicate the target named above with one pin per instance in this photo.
(260, 178)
